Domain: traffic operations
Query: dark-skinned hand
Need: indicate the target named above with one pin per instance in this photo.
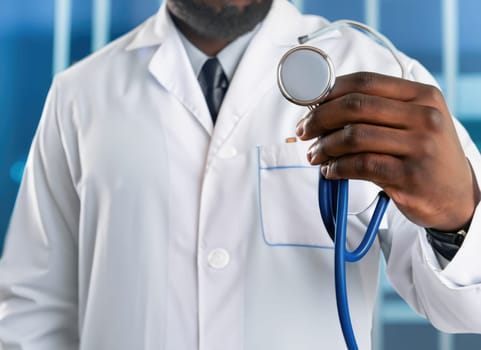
(399, 135)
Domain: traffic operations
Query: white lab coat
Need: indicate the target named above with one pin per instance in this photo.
(129, 190)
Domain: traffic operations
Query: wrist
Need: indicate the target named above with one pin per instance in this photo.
(460, 212)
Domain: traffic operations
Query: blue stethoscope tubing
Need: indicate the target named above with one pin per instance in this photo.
(333, 205)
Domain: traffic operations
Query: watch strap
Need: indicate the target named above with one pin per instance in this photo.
(446, 244)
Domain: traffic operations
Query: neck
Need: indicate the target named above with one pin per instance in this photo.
(209, 46)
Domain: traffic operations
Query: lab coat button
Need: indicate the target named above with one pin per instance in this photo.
(227, 152)
(218, 258)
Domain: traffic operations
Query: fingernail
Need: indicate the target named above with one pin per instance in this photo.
(311, 151)
(309, 156)
(325, 169)
(300, 128)
(315, 158)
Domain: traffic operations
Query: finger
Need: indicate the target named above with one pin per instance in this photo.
(384, 170)
(361, 138)
(386, 86)
(360, 108)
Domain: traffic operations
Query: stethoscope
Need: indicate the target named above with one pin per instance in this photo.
(306, 76)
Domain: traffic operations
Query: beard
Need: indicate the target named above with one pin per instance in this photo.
(227, 23)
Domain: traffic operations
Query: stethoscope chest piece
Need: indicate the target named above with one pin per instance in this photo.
(305, 75)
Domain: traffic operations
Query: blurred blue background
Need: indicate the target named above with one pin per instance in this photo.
(40, 38)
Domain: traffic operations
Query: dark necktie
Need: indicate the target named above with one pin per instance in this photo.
(214, 85)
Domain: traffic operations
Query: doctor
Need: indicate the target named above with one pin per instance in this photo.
(148, 218)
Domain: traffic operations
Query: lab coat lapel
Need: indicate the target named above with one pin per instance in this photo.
(171, 67)
(256, 73)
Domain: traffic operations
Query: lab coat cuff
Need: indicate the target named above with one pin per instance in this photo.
(463, 270)
(450, 306)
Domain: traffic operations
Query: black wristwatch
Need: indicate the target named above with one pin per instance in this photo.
(446, 243)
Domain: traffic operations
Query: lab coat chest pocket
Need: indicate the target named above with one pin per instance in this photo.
(288, 198)
(287, 194)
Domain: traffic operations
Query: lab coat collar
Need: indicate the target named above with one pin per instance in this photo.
(157, 29)
(154, 31)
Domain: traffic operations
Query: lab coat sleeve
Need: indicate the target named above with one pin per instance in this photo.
(38, 270)
(449, 296)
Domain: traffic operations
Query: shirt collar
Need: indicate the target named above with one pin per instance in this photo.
(229, 57)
